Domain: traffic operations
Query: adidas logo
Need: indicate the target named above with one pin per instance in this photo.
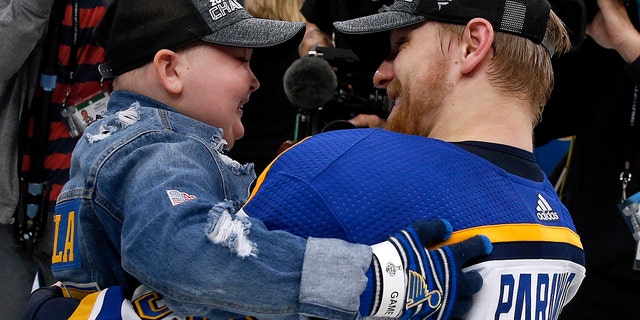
(544, 210)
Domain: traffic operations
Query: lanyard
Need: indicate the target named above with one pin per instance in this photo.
(73, 52)
(633, 132)
(625, 175)
(72, 63)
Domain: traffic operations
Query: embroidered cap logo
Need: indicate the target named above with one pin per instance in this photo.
(443, 3)
(220, 8)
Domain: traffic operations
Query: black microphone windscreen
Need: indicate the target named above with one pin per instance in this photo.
(310, 82)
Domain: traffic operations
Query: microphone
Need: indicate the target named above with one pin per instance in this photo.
(310, 82)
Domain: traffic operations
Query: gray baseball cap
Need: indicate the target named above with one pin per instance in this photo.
(132, 31)
(526, 18)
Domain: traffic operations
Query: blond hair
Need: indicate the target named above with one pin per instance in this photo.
(521, 67)
(285, 10)
(129, 80)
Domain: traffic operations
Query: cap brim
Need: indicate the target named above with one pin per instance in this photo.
(368, 36)
(257, 33)
(379, 22)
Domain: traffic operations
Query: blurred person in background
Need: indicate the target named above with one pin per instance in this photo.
(61, 71)
(23, 25)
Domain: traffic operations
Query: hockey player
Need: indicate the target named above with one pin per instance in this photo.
(468, 79)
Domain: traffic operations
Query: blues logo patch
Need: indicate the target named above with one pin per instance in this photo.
(66, 250)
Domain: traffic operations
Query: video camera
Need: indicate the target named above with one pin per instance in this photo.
(331, 86)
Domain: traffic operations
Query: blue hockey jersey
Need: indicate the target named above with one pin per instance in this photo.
(363, 185)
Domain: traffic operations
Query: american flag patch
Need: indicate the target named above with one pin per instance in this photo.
(177, 197)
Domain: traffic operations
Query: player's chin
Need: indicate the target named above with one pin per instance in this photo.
(392, 115)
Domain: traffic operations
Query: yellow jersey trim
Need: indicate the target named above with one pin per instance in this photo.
(518, 232)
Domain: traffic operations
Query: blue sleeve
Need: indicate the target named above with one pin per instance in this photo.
(171, 247)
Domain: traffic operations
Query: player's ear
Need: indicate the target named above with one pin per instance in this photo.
(476, 43)
(165, 65)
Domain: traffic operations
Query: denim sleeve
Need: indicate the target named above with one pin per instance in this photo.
(175, 203)
(332, 280)
(191, 252)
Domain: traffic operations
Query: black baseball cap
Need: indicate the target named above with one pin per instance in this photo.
(526, 18)
(132, 31)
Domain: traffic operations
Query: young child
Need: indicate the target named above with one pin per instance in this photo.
(152, 196)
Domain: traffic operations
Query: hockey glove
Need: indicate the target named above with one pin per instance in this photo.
(408, 281)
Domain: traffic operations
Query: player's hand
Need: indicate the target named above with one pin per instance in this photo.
(413, 282)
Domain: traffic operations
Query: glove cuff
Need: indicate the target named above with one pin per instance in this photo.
(389, 273)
